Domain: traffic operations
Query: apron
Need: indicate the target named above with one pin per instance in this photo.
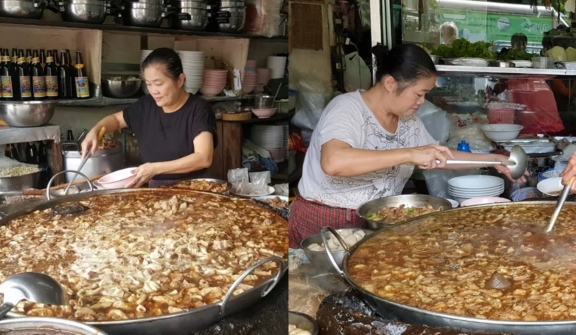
(309, 217)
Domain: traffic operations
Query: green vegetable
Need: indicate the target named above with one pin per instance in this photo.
(512, 54)
(411, 210)
(463, 48)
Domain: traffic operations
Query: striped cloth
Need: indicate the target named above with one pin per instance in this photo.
(308, 217)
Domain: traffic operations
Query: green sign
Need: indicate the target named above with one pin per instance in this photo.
(491, 27)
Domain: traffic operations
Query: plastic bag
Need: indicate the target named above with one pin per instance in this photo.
(436, 121)
(263, 17)
(473, 135)
(357, 74)
(311, 100)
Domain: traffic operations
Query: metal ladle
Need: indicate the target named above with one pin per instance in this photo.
(516, 163)
(31, 286)
(559, 205)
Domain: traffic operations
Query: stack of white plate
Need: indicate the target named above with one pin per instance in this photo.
(193, 66)
(270, 138)
(468, 187)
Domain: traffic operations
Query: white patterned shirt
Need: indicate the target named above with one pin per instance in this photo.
(347, 118)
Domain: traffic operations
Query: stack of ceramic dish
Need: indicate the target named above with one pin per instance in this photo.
(214, 81)
(193, 67)
(468, 187)
(270, 138)
(263, 78)
(250, 80)
(143, 55)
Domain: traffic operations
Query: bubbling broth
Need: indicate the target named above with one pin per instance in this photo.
(491, 262)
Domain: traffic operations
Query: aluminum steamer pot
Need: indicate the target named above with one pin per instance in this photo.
(413, 315)
(182, 323)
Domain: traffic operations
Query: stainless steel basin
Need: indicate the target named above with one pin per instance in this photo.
(27, 113)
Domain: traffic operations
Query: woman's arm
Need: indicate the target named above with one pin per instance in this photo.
(200, 159)
(337, 158)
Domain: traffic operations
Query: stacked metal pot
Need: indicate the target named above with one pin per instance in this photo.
(143, 13)
(26, 9)
(84, 11)
(188, 14)
(230, 16)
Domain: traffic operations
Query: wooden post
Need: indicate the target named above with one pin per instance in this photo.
(57, 164)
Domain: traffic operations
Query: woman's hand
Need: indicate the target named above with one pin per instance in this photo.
(90, 143)
(570, 171)
(143, 173)
(425, 157)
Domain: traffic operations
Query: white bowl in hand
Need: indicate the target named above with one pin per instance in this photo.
(500, 132)
(117, 179)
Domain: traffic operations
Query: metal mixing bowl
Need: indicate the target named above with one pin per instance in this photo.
(409, 200)
(120, 89)
(320, 259)
(27, 113)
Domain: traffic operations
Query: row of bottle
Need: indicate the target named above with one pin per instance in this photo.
(34, 153)
(37, 75)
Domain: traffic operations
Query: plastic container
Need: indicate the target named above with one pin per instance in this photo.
(501, 115)
(560, 166)
(463, 146)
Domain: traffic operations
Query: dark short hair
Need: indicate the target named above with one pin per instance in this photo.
(519, 38)
(406, 63)
(167, 57)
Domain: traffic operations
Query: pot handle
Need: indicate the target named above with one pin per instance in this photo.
(330, 256)
(65, 171)
(251, 269)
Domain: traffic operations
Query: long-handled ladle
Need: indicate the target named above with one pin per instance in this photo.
(516, 163)
(84, 160)
(559, 205)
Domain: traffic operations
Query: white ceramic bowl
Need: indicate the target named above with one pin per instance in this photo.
(475, 182)
(483, 200)
(501, 131)
(551, 186)
(117, 179)
(453, 202)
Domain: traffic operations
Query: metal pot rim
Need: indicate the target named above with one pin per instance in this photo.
(346, 276)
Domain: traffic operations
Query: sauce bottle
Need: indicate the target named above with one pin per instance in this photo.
(64, 90)
(8, 77)
(81, 78)
(51, 77)
(23, 73)
(38, 82)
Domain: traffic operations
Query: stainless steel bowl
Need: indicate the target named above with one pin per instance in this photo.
(303, 321)
(198, 19)
(409, 200)
(435, 59)
(35, 325)
(120, 89)
(84, 11)
(320, 259)
(20, 9)
(143, 14)
(27, 113)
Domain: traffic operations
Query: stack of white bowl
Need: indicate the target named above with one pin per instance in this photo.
(477, 186)
(193, 67)
(143, 55)
(270, 138)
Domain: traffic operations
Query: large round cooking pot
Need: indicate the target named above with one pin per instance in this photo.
(83, 11)
(181, 323)
(413, 315)
(26, 326)
(26, 9)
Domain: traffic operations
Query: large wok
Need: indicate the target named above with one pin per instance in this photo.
(186, 322)
(413, 315)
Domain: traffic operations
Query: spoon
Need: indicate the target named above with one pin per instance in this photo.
(31, 286)
(559, 205)
(517, 162)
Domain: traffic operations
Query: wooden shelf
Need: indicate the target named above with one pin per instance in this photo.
(135, 30)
